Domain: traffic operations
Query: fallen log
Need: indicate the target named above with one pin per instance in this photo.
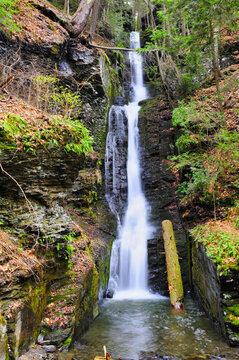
(175, 284)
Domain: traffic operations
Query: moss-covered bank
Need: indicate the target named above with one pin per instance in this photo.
(218, 293)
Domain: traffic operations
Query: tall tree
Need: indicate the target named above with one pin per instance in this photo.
(191, 29)
(79, 19)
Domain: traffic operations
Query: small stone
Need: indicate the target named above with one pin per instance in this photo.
(40, 339)
(49, 348)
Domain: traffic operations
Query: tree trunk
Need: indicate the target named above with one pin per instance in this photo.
(67, 7)
(94, 18)
(175, 284)
(216, 70)
(79, 19)
(183, 27)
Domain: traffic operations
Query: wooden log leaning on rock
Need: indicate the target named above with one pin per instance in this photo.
(175, 283)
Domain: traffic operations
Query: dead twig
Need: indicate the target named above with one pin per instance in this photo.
(9, 79)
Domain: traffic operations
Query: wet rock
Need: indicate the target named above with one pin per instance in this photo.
(159, 185)
(38, 353)
(49, 348)
(218, 294)
(65, 68)
(120, 101)
(116, 160)
(150, 355)
(3, 339)
(110, 293)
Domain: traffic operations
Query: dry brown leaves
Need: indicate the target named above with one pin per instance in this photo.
(35, 27)
(15, 262)
(229, 86)
(20, 108)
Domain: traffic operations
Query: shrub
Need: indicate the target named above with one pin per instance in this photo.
(55, 131)
(221, 246)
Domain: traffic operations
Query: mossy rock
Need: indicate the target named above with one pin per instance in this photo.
(3, 339)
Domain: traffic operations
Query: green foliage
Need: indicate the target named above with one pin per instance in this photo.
(208, 154)
(222, 246)
(116, 17)
(55, 98)
(60, 4)
(187, 30)
(7, 9)
(55, 131)
(14, 125)
(69, 250)
(64, 247)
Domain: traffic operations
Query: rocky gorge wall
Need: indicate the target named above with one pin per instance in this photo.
(218, 294)
(60, 299)
(159, 183)
(53, 210)
(55, 302)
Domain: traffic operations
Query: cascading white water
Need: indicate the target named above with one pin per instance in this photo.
(129, 270)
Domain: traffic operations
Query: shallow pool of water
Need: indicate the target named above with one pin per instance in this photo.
(128, 327)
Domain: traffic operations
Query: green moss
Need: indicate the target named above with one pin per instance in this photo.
(232, 318)
(95, 284)
(221, 246)
(3, 339)
(67, 342)
(148, 106)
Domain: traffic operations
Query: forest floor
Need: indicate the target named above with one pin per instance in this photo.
(210, 203)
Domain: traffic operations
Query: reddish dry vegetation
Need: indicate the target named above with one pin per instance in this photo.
(35, 28)
(16, 263)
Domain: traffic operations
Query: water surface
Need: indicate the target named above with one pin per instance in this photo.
(128, 327)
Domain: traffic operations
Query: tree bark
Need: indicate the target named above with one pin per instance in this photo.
(94, 18)
(74, 24)
(67, 7)
(79, 19)
(216, 70)
(175, 284)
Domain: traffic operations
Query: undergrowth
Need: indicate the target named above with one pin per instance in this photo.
(207, 155)
(221, 246)
(51, 132)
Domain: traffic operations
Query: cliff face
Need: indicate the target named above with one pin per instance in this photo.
(217, 293)
(56, 229)
(159, 182)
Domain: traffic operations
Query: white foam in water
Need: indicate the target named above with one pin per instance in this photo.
(129, 266)
(137, 295)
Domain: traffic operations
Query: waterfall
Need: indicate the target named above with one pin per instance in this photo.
(129, 268)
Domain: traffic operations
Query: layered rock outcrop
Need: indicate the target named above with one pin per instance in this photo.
(52, 202)
(159, 183)
(218, 293)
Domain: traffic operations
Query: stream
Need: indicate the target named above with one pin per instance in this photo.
(130, 327)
